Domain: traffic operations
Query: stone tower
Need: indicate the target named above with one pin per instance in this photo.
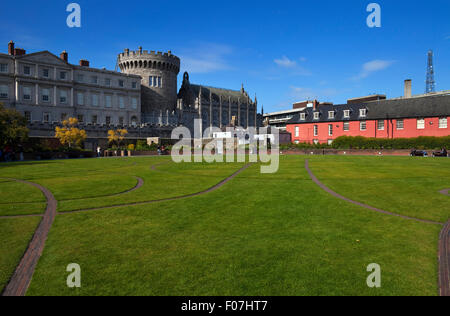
(159, 73)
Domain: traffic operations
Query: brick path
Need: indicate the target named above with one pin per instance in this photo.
(20, 281)
(445, 192)
(444, 240)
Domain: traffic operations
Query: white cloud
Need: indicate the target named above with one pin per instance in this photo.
(285, 62)
(373, 66)
(206, 58)
(301, 93)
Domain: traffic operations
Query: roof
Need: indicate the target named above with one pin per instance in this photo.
(218, 92)
(427, 106)
(285, 112)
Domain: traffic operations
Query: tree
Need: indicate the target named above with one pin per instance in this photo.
(13, 127)
(117, 137)
(69, 134)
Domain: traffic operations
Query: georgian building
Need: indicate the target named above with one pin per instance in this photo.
(47, 89)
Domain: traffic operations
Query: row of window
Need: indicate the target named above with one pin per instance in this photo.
(46, 118)
(332, 114)
(400, 124)
(63, 75)
(63, 97)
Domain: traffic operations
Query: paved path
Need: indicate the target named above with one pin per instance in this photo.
(213, 188)
(327, 189)
(444, 240)
(445, 192)
(444, 260)
(21, 279)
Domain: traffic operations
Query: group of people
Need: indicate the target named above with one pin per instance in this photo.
(7, 154)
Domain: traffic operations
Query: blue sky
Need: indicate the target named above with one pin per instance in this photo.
(282, 51)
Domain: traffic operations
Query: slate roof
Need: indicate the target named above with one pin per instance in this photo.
(216, 92)
(426, 106)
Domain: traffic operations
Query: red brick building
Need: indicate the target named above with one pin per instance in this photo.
(426, 115)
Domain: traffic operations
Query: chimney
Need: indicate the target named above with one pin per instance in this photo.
(11, 48)
(408, 88)
(64, 56)
(315, 104)
(19, 52)
(84, 63)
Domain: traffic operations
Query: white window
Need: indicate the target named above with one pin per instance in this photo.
(297, 131)
(80, 78)
(150, 81)
(363, 125)
(380, 125)
(46, 117)
(4, 91)
(121, 102)
(316, 142)
(108, 120)
(27, 93)
(94, 80)
(331, 115)
(330, 142)
(80, 98)
(159, 82)
(134, 85)
(108, 101)
(362, 112)
(400, 124)
(420, 123)
(62, 75)
(330, 129)
(46, 95)
(121, 83)
(94, 100)
(346, 126)
(63, 96)
(346, 113)
(94, 119)
(27, 70)
(443, 122)
(134, 103)
(107, 82)
(3, 68)
(121, 120)
(80, 118)
(316, 115)
(302, 116)
(45, 73)
(316, 130)
(27, 115)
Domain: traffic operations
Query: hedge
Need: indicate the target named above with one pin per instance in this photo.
(359, 142)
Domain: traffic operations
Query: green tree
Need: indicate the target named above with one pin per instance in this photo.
(13, 127)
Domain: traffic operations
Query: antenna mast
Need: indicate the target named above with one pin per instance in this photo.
(431, 84)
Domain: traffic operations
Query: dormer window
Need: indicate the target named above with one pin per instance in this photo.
(316, 115)
(331, 114)
(302, 116)
(346, 113)
(363, 112)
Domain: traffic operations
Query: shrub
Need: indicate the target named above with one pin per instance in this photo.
(359, 142)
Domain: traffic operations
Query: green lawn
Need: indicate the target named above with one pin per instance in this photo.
(277, 234)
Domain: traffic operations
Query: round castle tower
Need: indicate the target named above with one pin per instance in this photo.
(159, 73)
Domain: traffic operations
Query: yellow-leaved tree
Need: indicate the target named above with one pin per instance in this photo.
(117, 137)
(69, 135)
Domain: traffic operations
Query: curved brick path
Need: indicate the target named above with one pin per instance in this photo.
(445, 192)
(444, 240)
(444, 260)
(327, 189)
(213, 188)
(21, 278)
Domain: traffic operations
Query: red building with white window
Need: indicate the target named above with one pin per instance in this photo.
(426, 115)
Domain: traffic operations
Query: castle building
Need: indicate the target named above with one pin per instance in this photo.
(143, 97)
(214, 106)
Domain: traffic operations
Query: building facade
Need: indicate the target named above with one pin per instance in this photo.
(47, 89)
(426, 115)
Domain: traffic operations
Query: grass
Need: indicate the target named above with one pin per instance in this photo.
(15, 235)
(276, 234)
